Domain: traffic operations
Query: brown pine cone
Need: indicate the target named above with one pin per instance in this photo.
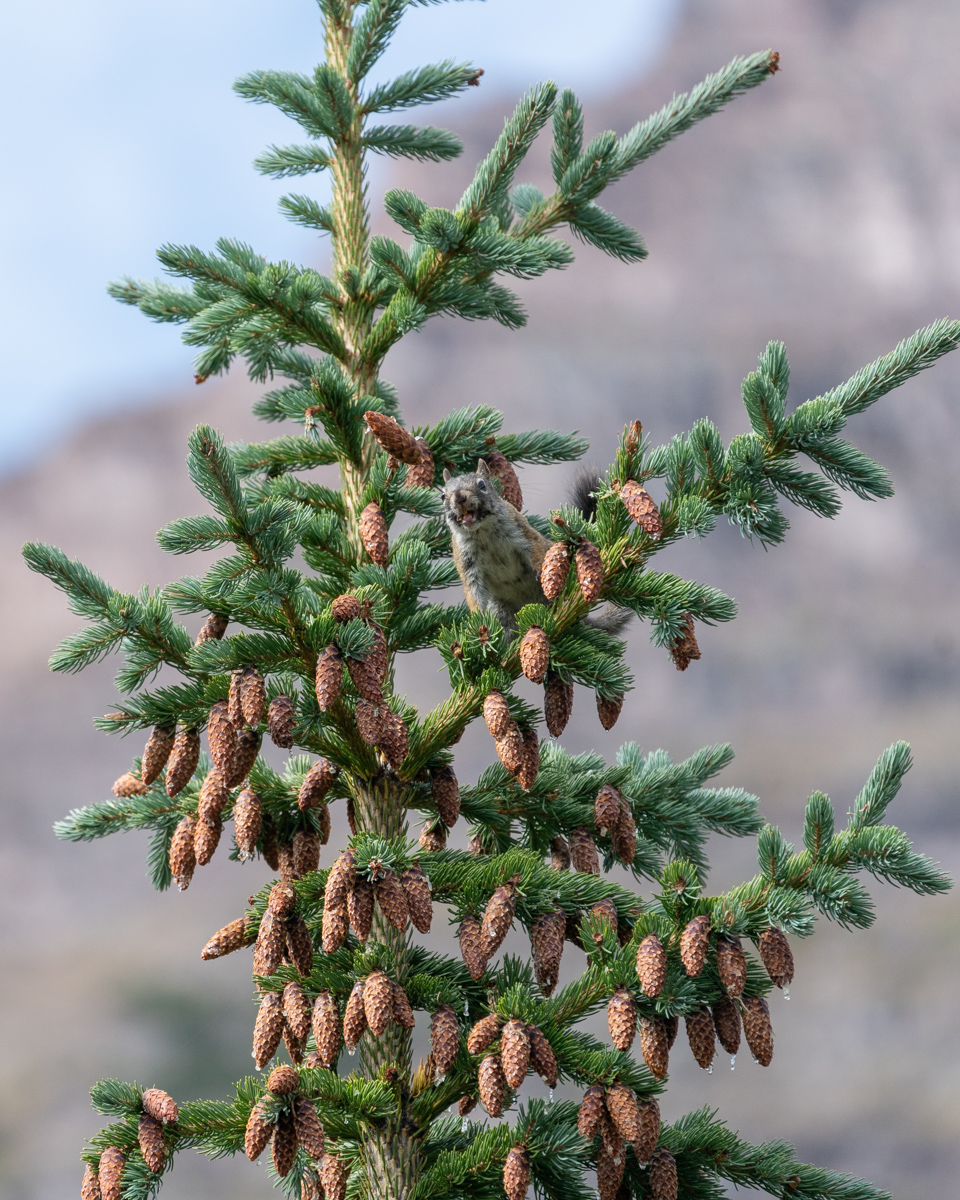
(253, 696)
(684, 649)
(329, 677)
(651, 965)
(214, 795)
(664, 1184)
(757, 1029)
(280, 721)
(446, 795)
(206, 838)
(726, 1022)
(365, 676)
(492, 1085)
(296, 1010)
(295, 1048)
(334, 1174)
(112, 1162)
(553, 572)
(282, 899)
(530, 760)
(310, 1186)
(645, 1146)
(152, 1144)
(604, 911)
(606, 808)
(316, 783)
(624, 1111)
(655, 1046)
(394, 738)
(515, 1052)
(377, 658)
(511, 749)
(128, 785)
(326, 1027)
(547, 933)
(258, 1133)
(182, 761)
(341, 878)
(416, 889)
(497, 918)
(777, 956)
(268, 1029)
(369, 718)
(284, 1144)
(160, 1105)
(583, 852)
(542, 1058)
(378, 1001)
(182, 857)
(222, 736)
(393, 438)
(269, 846)
(484, 1033)
(299, 944)
(306, 852)
(516, 1173)
(234, 707)
(283, 1081)
(559, 854)
(285, 858)
(593, 1106)
(732, 965)
(572, 929)
(501, 468)
(609, 710)
(535, 654)
(673, 1028)
(334, 927)
(155, 754)
(471, 946)
(248, 747)
(466, 1104)
(622, 1018)
(360, 908)
(90, 1188)
(270, 945)
(701, 1036)
(247, 822)
(694, 944)
(640, 505)
(625, 835)
(345, 608)
(589, 566)
(391, 898)
(444, 1038)
(421, 474)
(402, 1012)
(212, 629)
(557, 704)
(496, 713)
(354, 1016)
(322, 812)
(231, 937)
(611, 1164)
(373, 534)
(308, 1127)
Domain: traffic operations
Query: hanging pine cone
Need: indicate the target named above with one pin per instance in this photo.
(155, 754)
(501, 468)
(589, 567)
(253, 696)
(446, 794)
(471, 946)
(547, 931)
(306, 852)
(583, 852)
(378, 1001)
(484, 1033)
(182, 761)
(726, 1023)
(673, 1028)
(757, 1029)
(515, 1052)
(285, 856)
(701, 1035)
(604, 911)
(182, 857)
(645, 1146)
(416, 890)
(269, 846)
(326, 1027)
(559, 854)
(433, 836)
(248, 747)
(402, 1012)
(128, 785)
(516, 1173)
(342, 877)
(334, 1174)
(444, 1038)
(90, 1187)
(268, 1029)
(542, 1058)
(557, 704)
(112, 1162)
(593, 1106)
(334, 927)
(394, 738)
(640, 505)
(391, 898)
(732, 965)
(373, 534)
(777, 956)
(496, 713)
(393, 437)
(213, 629)
(214, 795)
(622, 1018)
(316, 783)
(308, 1128)
(466, 1104)
(497, 918)
(535, 654)
(310, 1186)
(360, 909)
(222, 736)
(283, 1081)
(651, 965)
(422, 473)
(377, 658)
(611, 1164)
(247, 822)
(625, 835)
(664, 1184)
(296, 1010)
(299, 944)
(280, 721)
(354, 1016)
(160, 1105)
(258, 1133)
(369, 719)
(606, 808)
(282, 899)
(684, 649)
(553, 573)
(234, 707)
(511, 749)
(694, 944)
(624, 1111)
(152, 1145)
(328, 681)
(572, 929)
(654, 1046)
(231, 937)
(206, 838)
(609, 710)
(284, 1144)
(492, 1085)
(322, 816)
(366, 679)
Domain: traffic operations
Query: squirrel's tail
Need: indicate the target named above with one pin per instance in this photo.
(583, 491)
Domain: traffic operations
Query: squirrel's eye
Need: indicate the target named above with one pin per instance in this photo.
(481, 485)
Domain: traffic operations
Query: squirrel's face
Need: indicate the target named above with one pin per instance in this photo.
(467, 501)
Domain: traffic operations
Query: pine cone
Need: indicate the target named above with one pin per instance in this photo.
(152, 1144)
(268, 1029)
(280, 721)
(247, 822)
(334, 927)
(684, 649)
(326, 1027)
(553, 573)
(183, 859)
(334, 1174)
(214, 795)
(664, 1184)
(306, 852)
(625, 835)
(515, 1052)
(497, 918)
(606, 912)
(402, 1012)
(651, 965)
(269, 846)
(360, 908)
(557, 704)
(329, 677)
(285, 858)
(511, 750)
(365, 676)
(530, 760)
(432, 836)
(624, 1111)
(378, 1001)
(589, 567)
(296, 1010)
(206, 838)
(694, 944)
(284, 1144)
(547, 932)
(160, 1105)
(444, 1038)
(394, 738)
(391, 898)
(248, 747)
(222, 736)
(393, 437)
(234, 707)
(446, 795)
(354, 1016)
(377, 658)
(777, 956)
(308, 1127)
(155, 754)
(112, 1162)
(516, 1173)
(213, 629)
(542, 1058)
(496, 713)
(90, 1188)
(310, 1186)
(622, 1018)
(654, 1046)
(572, 928)
(283, 1081)
(253, 696)
(128, 785)
(559, 854)
(231, 937)
(299, 944)
(342, 877)
(726, 1023)
(373, 534)
(295, 1048)
(672, 1024)
(466, 1104)
(258, 1133)
(316, 783)
(583, 852)
(471, 946)
(492, 1085)
(611, 1164)
(282, 899)
(535, 654)
(645, 1146)
(182, 761)
(701, 1036)
(640, 505)
(369, 719)
(732, 965)
(416, 889)
(757, 1029)
(593, 1106)
(421, 474)
(484, 1033)
(502, 469)
(606, 808)
(609, 710)
(345, 608)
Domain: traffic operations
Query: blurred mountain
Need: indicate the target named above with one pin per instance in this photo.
(822, 209)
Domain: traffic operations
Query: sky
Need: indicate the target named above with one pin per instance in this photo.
(122, 132)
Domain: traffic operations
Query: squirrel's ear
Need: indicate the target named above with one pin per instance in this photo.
(482, 469)
(446, 476)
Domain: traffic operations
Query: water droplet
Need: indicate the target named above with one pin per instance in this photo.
(710, 1069)
(464, 1125)
(733, 1062)
(617, 1160)
(351, 1051)
(786, 992)
(550, 1094)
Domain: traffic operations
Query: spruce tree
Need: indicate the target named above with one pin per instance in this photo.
(309, 600)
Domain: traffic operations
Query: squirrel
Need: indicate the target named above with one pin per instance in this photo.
(498, 553)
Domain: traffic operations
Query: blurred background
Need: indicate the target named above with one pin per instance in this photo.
(822, 209)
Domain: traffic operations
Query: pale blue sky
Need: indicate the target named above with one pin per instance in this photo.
(121, 132)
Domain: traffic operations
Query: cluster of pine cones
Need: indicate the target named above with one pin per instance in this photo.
(522, 1047)
(349, 899)
(518, 749)
(618, 1118)
(288, 1119)
(104, 1181)
(481, 939)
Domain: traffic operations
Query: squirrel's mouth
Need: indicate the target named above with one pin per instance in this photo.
(467, 518)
